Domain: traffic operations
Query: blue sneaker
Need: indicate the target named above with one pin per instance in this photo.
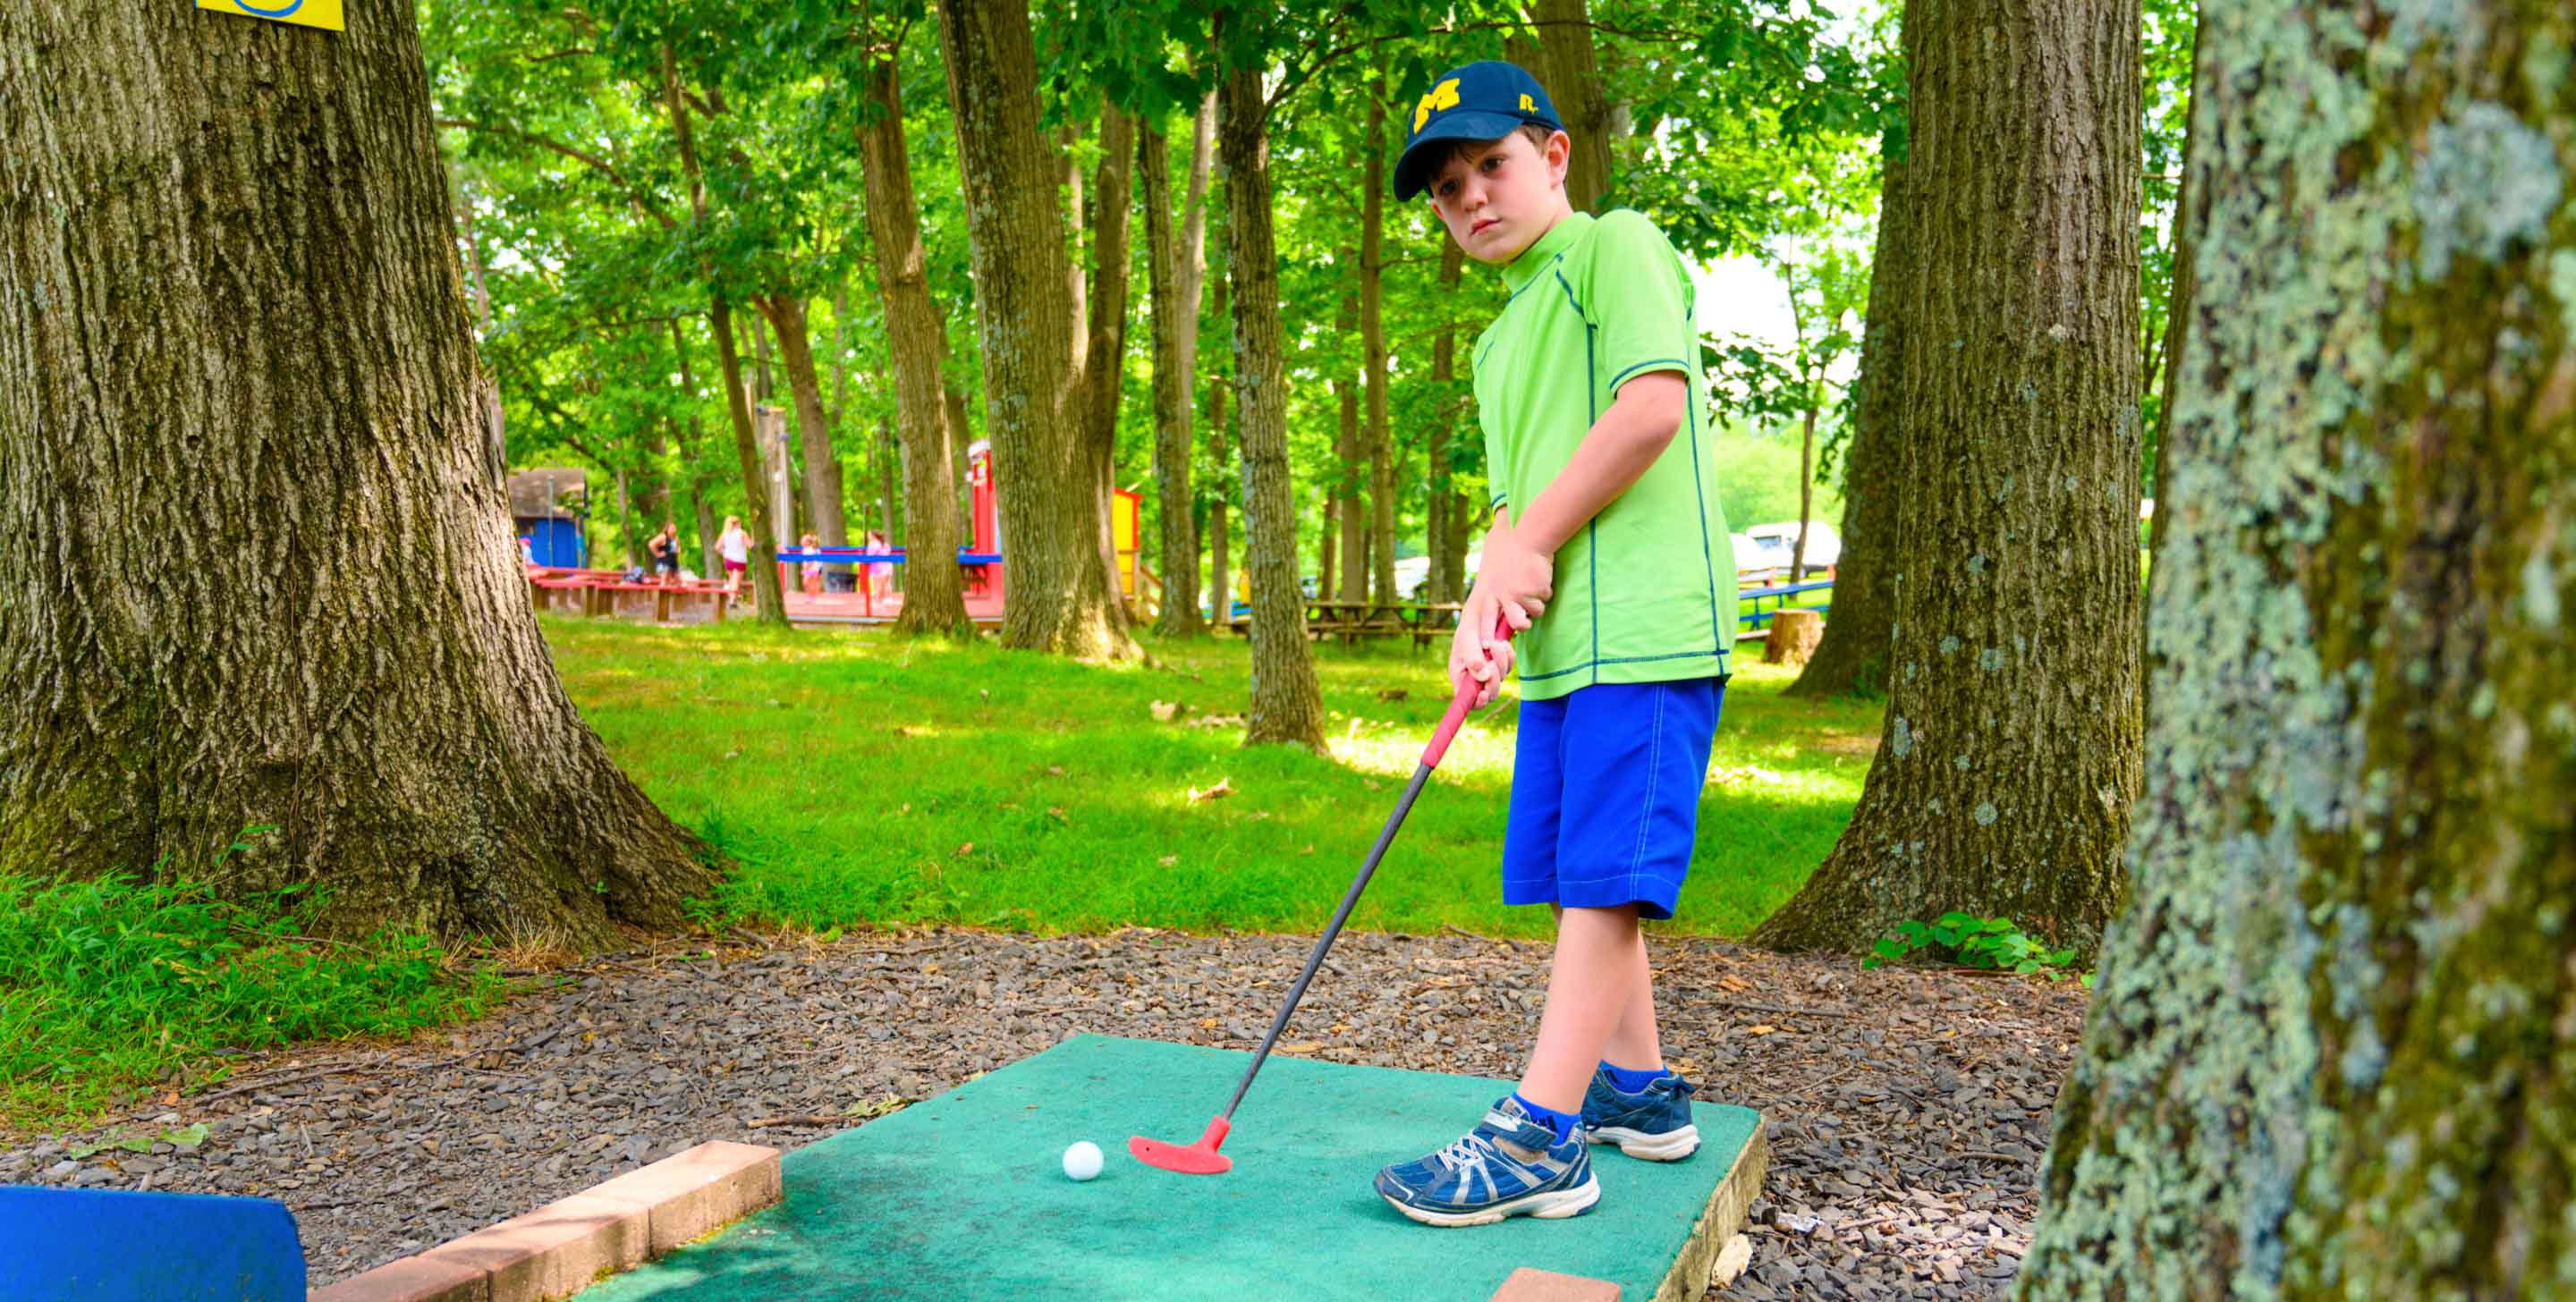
(1655, 1125)
(1509, 1165)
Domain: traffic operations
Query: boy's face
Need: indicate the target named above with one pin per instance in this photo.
(1498, 198)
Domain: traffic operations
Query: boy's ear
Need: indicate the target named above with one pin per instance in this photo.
(1560, 156)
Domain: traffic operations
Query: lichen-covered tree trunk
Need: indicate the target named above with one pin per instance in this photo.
(1853, 656)
(1061, 596)
(2002, 782)
(917, 342)
(1219, 530)
(255, 562)
(1287, 705)
(2332, 1046)
(1176, 528)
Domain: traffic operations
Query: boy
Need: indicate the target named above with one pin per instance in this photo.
(1608, 557)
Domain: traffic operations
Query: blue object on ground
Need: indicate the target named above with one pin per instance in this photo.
(99, 1245)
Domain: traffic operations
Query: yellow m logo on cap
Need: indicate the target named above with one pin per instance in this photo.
(1442, 96)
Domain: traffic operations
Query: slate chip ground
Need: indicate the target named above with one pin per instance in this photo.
(1907, 1109)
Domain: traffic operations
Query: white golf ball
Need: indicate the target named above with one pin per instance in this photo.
(1082, 1161)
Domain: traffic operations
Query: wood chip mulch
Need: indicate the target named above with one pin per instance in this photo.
(1907, 1109)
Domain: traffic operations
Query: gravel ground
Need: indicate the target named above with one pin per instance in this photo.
(1907, 1110)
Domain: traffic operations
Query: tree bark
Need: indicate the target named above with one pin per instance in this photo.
(1449, 554)
(1287, 705)
(755, 484)
(1350, 458)
(1179, 549)
(1381, 441)
(934, 600)
(2328, 1051)
(2002, 782)
(1062, 598)
(1219, 530)
(821, 465)
(1104, 367)
(1572, 76)
(256, 565)
(1853, 656)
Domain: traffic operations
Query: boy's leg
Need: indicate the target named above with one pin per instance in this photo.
(1590, 988)
(1637, 1041)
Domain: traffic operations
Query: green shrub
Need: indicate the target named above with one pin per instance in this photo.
(1995, 944)
(115, 983)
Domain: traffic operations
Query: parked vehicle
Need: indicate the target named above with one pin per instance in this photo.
(1413, 575)
(1780, 540)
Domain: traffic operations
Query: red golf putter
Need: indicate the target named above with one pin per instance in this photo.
(1201, 1157)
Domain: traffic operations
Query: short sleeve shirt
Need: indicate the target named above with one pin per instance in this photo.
(1646, 591)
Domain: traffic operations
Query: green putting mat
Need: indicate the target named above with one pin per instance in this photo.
(964, 1195)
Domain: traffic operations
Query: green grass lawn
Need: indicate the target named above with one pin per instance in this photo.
(859, 780)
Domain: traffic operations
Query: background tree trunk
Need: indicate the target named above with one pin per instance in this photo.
(1287, 705)
(1061, 597)
(2342, 984)
(1220, 579)
(821, 465)
(1456, 514)
(917, 342)
(1179, 549)
(1350, 463)
(755, 484)
(1853, 656)
(217, 615)
(2002, 783)
(1381, 441)
(1104, 366)
(1572, 76)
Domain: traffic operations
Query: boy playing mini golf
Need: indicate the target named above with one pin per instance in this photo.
(1608, 556)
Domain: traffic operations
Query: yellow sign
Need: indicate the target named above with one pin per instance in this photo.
(305, 13)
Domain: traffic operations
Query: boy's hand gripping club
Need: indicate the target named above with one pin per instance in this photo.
(1202, 1157)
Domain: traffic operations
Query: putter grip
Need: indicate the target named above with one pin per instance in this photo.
(1459, 704)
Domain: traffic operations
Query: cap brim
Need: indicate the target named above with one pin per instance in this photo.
(1411, 171)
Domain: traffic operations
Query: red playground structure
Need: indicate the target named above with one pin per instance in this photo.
(981, 558)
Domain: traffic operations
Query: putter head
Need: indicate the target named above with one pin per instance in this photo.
(1200, 1158)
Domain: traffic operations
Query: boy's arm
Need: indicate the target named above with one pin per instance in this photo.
(1624, 442)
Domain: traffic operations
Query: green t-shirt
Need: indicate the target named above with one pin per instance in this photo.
(1645, 593)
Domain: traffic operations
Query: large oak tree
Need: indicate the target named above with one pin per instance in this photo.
(2332, 1049)
(255, 562)
(2010, 751)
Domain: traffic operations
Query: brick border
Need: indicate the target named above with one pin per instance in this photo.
(564, 1246)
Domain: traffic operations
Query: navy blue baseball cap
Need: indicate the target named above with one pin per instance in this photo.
(1487, 100)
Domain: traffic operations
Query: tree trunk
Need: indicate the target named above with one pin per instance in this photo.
(1328, 568)
(1806, 482)
(1381, 441)
(1104, 367)
(1449, 558)
(1287, 705)
(934, 600)
(2001, 786)
(1179, 548)
(1061, 597)
(755, 484)
(1220, 580)
(2328, 1052)
(1853, 656)
(822, 466)
(217, 615)
(1350, 463)
(1572, 76)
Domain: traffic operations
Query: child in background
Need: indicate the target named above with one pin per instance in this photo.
(811, 572)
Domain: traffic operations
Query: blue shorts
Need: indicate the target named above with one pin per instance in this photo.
(1605, 794)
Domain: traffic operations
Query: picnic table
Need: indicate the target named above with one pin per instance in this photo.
(1353, 620)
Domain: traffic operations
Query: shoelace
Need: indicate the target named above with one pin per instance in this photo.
(1470, 1151)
